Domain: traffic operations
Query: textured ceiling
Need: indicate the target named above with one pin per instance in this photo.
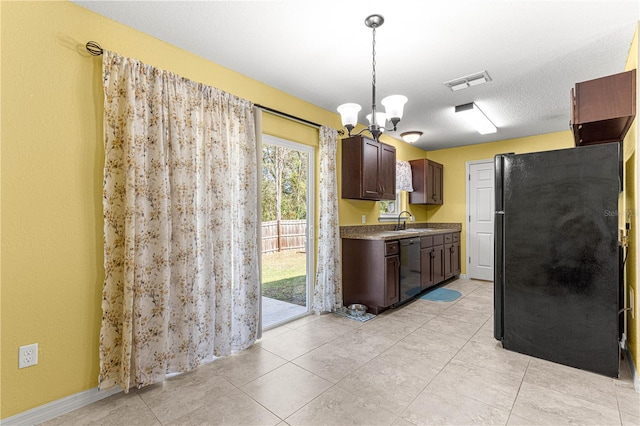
(534, 51)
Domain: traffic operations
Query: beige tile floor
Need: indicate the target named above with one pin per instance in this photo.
(424, 363)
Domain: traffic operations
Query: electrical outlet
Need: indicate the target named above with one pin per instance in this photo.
(364, 218)
(632, 303)
(28, 355)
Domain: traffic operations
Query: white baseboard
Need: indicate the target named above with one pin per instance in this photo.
(632, 367)
(464, 276)
(57, 408)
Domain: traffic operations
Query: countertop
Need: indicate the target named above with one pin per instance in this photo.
(386, 232)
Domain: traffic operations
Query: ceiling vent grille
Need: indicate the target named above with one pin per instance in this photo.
(468, 81)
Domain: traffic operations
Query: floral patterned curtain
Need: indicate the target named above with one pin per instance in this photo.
(328, 288)
(180, 224)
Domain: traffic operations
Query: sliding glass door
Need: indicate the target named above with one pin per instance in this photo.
(287, 230)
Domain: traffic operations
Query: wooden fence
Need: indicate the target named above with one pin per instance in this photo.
(283, 235)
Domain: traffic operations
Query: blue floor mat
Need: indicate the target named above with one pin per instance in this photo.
(441, 295)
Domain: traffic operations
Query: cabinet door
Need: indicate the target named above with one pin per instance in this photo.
(430, 183)
(434, 188)
(455, 258)
(603, 109)
(451, 259)
(438, 264)
(392, 279)
(387, 172)
(427, 182)
(427, 256)
(448, 264)
(371, 152)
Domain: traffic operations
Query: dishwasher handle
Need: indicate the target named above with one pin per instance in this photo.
(409, 241)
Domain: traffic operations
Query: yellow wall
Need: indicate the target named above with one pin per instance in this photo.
(631, 204)
(51, 184)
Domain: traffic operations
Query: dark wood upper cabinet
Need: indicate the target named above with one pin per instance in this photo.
(603, 109)
(368, 169)
(427, 182)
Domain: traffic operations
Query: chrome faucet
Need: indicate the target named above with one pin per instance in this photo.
(404, 224)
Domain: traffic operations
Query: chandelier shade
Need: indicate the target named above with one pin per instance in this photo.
(349, 114)
(381, 119)
(394, 104)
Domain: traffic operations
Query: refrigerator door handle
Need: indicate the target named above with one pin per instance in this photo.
(498, 294)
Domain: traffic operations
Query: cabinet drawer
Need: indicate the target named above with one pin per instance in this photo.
(392, 247)
(438, 240)
(448, 238)
(426, 242)
(456, 237)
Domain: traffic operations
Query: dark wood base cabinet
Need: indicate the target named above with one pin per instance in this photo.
(451, 255)
(439, 258)
(371, 268)
(370, 273)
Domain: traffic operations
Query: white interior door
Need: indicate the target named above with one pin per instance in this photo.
(480, 213)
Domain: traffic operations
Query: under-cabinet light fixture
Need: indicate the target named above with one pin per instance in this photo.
(474, 116)
(411, 137)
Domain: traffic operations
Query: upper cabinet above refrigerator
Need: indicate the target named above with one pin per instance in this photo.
(603, 109)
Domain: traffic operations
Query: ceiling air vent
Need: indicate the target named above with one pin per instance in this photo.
(468, 81)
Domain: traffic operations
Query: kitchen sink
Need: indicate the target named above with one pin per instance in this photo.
(409, 232)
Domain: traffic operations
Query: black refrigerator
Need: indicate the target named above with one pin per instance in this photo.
(556, 256)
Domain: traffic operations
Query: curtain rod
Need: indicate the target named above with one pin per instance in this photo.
(284, 114)
(96, 50)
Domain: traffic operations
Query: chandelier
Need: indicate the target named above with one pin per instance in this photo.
(393, 104)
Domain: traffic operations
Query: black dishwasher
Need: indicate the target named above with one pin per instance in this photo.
(409, 268)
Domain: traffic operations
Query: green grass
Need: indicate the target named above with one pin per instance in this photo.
(284, 276)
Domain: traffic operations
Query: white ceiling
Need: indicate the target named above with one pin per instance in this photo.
(320, 51)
